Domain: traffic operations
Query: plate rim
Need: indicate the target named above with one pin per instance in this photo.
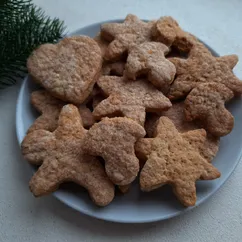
(101, 216)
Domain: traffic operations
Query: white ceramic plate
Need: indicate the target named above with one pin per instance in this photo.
(137, 206)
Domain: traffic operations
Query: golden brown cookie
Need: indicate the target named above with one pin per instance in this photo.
(149, 58)
(125, 35)
(172, 160)
(129, 98)
(62, 159)
(113, 139)
(208, 149)
(202, 67)
(50, 108)
(206, 103)
(68, 69)
(168, 31)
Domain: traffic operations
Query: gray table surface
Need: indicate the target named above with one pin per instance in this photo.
(24, 218)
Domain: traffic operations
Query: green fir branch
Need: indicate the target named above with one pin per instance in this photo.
(23, 27)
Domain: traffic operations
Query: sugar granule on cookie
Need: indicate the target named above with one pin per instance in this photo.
(202, 67)
(62, 159)
(129, 98)
(125, 35)
(113, 139)
(149, 58)
(172, 160)
(207, 149)
(206, 103)
(68, 69)
(168, 31)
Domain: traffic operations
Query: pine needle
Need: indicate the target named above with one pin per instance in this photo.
(23, 27)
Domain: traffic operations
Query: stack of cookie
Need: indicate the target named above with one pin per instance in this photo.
(146, 97)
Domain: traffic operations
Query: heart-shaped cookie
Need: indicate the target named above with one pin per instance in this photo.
(68, 69)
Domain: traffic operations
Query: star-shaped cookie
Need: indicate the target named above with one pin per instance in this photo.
(202, 67)
(207, 149)
(125, 35)
(62, 159)
(171, 159)
(50, 108)
(129, 98)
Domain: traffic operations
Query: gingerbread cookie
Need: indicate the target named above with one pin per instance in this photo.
(62, 159)
(172, 160)
(124, 36)
(68, 69)
(177, 116)
(113, 139)
(50, 108)
(202, 67)
(168, 31)
(149, 58)
(206, 103)
(129, 98)
(208, 149)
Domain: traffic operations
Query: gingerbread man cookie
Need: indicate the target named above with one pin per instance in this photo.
(168, 31)
(113, 139)
(149, 58)
(61, 159)
(206, 103)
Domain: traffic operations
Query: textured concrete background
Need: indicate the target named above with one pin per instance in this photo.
(23, 218)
